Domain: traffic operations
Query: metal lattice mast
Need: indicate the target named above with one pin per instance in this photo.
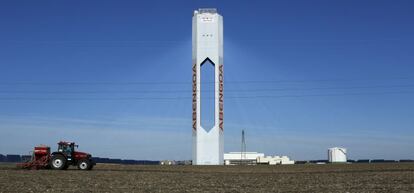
(243, 148)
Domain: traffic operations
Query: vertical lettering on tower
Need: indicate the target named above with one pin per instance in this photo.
(221, 115)
(194, 97)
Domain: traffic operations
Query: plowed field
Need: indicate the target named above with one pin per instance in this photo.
(390, 177)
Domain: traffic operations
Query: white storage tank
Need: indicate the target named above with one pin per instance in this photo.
(337, 155)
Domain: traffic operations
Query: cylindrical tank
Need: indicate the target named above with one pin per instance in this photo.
(337, 155)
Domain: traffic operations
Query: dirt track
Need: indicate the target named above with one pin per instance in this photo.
(293, 178)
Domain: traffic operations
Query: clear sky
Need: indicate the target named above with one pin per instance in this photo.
(300, 76)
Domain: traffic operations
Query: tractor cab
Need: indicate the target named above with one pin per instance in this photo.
(67, 148)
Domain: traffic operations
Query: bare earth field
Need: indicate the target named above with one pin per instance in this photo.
(388, 177)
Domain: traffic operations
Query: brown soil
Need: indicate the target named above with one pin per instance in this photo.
(390, 177)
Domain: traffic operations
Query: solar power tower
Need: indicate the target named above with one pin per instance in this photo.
(208, 50)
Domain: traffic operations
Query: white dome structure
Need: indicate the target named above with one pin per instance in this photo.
(337, 155)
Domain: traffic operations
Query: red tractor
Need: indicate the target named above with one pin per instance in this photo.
(59, 160)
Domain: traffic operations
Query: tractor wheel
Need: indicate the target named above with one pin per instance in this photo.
(84, 164)
(58, 162)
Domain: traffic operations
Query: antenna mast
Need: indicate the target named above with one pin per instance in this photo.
(243, 149)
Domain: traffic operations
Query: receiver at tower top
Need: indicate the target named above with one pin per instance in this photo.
(207, 36)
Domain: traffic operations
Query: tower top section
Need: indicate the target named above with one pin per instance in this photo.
(207, 36)
(205, 10)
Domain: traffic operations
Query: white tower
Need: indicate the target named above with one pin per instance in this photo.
(208, 48)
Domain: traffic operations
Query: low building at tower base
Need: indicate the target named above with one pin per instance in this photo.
(255, 158)
(275, 160)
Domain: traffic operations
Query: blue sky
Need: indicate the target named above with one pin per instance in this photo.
(300, 77)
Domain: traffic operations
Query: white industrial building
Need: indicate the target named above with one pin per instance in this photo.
(274, 160)
(253, 158)
(167, 162)
(337, 155)
(235, 158)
